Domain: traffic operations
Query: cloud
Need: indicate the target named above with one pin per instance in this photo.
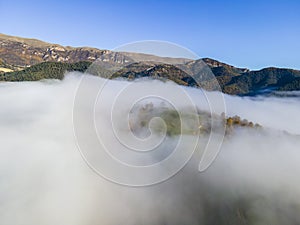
(44, 179)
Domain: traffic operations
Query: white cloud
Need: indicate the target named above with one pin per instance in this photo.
(44, 180)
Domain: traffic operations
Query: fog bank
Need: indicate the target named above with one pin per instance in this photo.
(44, 179)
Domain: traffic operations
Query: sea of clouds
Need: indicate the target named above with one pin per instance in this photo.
(44, 179)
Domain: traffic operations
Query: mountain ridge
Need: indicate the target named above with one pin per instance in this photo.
(18, 54)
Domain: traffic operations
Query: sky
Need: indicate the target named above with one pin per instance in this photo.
(253, 34)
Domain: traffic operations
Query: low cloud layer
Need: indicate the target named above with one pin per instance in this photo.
(44, 180)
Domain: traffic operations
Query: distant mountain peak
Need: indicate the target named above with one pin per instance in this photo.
(215, 63)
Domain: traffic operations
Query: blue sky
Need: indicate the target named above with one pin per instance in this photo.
(251, 34)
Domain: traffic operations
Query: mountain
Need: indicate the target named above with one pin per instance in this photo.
(268, 78)
(30, 59)
(20, 53)
(16, 52)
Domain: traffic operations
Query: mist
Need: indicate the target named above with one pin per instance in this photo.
(45, 180)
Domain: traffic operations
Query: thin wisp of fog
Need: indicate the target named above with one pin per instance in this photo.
(45, 179)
